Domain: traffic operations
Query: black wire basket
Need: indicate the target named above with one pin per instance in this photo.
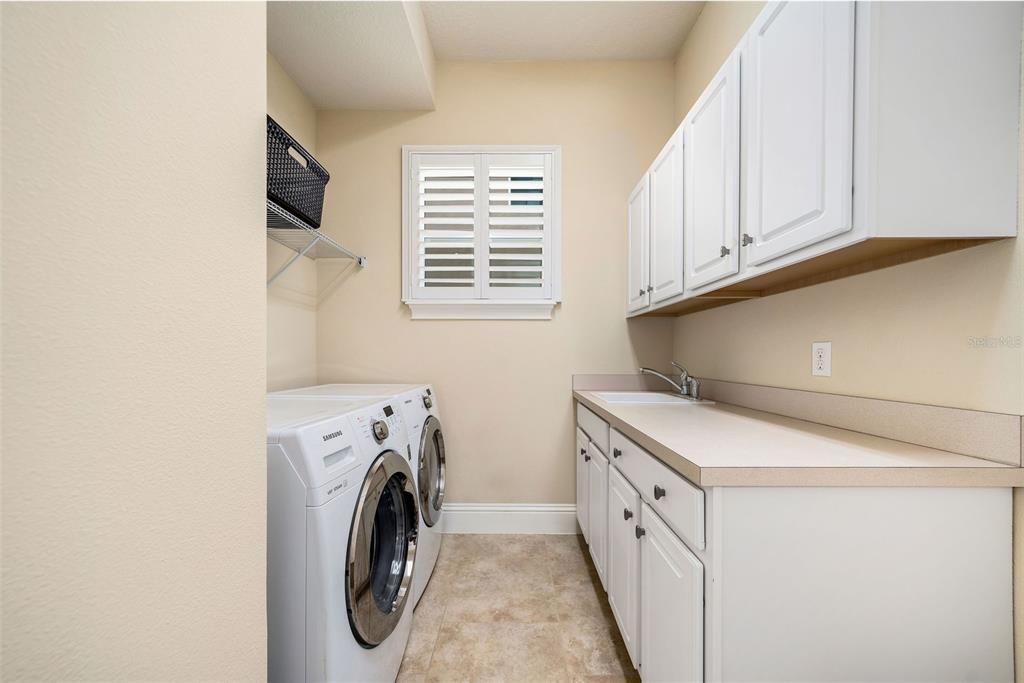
(295, 180)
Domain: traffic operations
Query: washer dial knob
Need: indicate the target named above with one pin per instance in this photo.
(380, 430)
(428, 402)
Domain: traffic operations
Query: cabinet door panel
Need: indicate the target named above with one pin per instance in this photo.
(671, 605)
(798, 125)
(712, 170)
(598, 515)
(667, 221)
(639, 241)
(624, 560)
(582, 484)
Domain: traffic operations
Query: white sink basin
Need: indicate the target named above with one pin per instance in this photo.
(647, 397)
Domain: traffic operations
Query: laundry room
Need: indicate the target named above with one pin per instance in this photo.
(512, 341)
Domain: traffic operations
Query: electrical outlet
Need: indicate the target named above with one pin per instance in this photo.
(821, 359)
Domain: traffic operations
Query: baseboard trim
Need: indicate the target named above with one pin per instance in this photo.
(509, 518)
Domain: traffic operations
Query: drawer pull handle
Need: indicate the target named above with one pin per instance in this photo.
(616, 452)
(586, 458)
(659, 492)
(639, 531)
(626, 513)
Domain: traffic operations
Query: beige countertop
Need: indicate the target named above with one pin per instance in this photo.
(725, 445)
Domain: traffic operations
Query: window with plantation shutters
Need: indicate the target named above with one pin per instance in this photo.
(481, 231)
(444, 225)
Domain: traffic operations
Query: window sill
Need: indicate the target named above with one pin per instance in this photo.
(511, 309)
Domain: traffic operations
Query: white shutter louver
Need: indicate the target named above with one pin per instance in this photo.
(482, 226)
(445, 225)
(518, 226)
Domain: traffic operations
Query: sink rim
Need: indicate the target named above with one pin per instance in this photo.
(648, 397)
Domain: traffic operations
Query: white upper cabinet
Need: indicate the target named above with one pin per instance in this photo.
(666, 183)
(798, 124)
(639, 241)
(937, 119)
(832, 125)
(712, 170)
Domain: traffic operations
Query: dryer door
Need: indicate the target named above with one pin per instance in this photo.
(431, 472)
(381, 550)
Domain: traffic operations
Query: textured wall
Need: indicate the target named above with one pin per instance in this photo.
(504, 386)
(292, 298)
(134, 341)
(713, 38)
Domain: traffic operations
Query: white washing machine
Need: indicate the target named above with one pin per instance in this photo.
(342, 528)
(426, 441)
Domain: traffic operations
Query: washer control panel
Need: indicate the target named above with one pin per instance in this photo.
(428, 402)
(382, 423)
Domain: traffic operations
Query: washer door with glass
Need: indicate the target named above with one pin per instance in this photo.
(381, 550)
(431, 472)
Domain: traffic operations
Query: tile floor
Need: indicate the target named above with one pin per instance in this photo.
(515, 608)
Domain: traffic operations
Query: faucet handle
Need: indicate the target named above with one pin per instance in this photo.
(681, 369)
(693, 388)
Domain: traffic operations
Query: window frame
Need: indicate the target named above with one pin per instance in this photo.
(483, 308)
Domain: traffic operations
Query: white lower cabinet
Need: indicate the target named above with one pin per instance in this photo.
(582, 483)
(797, 584)
(623, 572)
(671, 604)
(597, 500)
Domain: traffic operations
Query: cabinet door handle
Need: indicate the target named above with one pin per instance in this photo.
(616, 452)
(641, 291)
(725, 250)
(659, 492)
(650, 288)
(626, 513)
(747, 239)
(586, 458)
(639, 531)
(583, 451)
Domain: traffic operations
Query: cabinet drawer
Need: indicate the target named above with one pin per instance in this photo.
(680, 503)
(595, 427)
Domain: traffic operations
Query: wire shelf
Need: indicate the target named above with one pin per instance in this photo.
(289, 230)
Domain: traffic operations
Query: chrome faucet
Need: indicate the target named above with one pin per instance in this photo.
(681, 386)
(687, 386)
(684, 377)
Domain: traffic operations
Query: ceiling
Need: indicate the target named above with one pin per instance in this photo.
(558, 30)
(380, 55)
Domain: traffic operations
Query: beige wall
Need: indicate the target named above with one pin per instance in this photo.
(901, 333)
(713, 37)
(292, 298)
(134, 334)
(504, 386)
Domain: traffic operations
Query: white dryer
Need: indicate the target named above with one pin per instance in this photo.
(426, 440)
(342, 527)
